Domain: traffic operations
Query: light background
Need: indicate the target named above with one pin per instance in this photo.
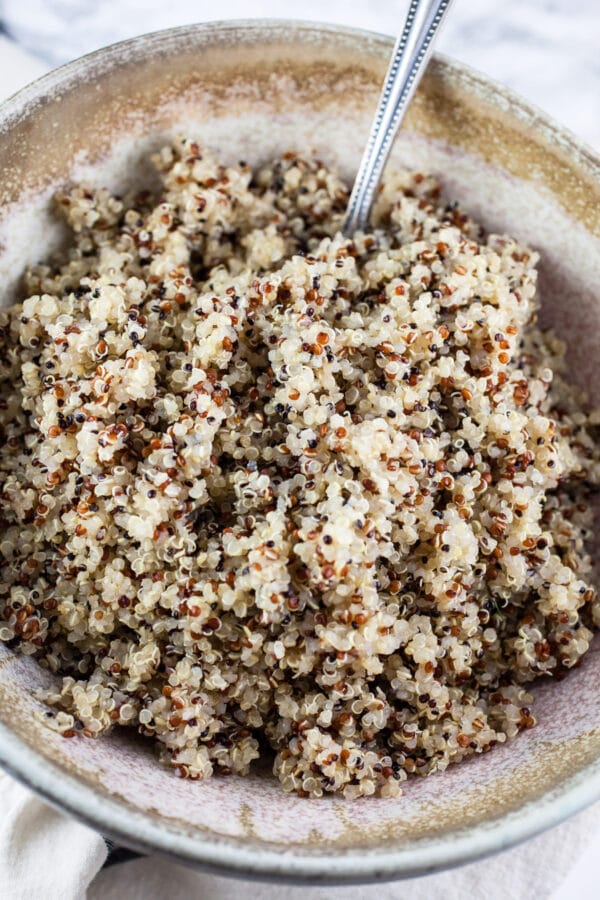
(548, 50)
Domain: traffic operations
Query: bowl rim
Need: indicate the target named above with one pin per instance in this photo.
(242, 857)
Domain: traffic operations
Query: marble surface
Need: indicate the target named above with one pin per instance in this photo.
(547, 50)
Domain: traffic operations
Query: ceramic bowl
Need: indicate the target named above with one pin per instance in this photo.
(251, 90)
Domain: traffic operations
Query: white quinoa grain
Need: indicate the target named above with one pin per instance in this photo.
(261, 481)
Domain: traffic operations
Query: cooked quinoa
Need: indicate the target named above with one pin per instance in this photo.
(265, 488)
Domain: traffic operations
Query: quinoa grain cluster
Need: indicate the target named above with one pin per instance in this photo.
(262, 486)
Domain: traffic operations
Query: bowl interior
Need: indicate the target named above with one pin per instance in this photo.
(252, 92)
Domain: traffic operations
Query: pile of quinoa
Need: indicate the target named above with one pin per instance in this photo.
(268, 490)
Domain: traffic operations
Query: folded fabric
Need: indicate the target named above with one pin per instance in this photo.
(44, 854)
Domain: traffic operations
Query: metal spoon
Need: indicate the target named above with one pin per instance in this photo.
(409, 60)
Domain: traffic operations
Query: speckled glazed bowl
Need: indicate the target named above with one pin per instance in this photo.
(251, 90)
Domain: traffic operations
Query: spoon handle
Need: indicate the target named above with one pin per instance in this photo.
(409, 59)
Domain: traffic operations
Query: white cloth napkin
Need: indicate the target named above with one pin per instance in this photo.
(44, 854)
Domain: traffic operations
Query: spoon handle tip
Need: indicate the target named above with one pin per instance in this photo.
(407, 65)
